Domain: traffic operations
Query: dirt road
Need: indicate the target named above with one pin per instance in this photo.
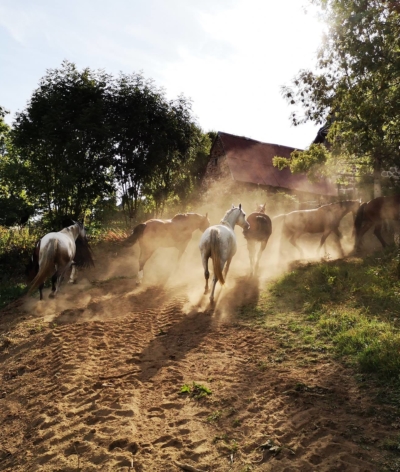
(92, 381)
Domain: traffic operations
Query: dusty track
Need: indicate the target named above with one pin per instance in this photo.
(92, 382)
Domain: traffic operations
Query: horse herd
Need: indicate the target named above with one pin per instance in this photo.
(56, 252)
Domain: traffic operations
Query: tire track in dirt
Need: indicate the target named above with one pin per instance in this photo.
(93, 375)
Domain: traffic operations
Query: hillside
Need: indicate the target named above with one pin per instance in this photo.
(93, 380)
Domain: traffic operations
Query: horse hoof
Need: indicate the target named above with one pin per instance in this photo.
(52, 295)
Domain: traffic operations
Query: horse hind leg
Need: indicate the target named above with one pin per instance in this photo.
(339, 237)
(251, 248)
(292, 241)
(228, 263)
(145, 255)
(214, 283)
(206, 272)
(57, 279)
(54, 278)
(322, 242)
(263, 245)
(378, 234)
(366, 226)
(73, 276)
(41, 291)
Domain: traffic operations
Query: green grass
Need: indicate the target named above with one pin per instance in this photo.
(10, 292)
(195, 390)
(348, 308)
(16, 246)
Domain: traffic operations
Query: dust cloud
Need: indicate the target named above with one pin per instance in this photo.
(110, 290)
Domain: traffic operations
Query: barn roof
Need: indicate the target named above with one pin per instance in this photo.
(251, 161)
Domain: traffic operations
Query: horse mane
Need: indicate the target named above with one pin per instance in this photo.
(84, 254)
(183, 216)
(179, 217)
(341, 203)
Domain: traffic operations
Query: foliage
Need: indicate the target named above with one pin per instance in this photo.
(16, 246)
(311, 161)
(86, 136)
(63, 139)
(356, 88)
(14, 205)
(159, 147)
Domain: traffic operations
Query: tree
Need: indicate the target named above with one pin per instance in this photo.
(15, 208)
(356, 88)
(63, 139)
(155, 141)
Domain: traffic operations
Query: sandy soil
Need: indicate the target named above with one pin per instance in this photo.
(91, 381)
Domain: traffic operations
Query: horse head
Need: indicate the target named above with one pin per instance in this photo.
(236, 216)
(260, 208)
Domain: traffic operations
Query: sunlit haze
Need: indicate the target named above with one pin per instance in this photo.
(231, 57)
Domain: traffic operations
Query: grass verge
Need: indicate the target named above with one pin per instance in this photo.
(348, 307)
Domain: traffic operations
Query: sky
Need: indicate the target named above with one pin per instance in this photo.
(230, 57)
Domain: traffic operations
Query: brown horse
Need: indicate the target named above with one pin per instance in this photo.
(259, 232)
(325, 219)
(175, 232)
(373, 214)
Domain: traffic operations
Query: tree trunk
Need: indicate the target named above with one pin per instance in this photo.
(377, 178)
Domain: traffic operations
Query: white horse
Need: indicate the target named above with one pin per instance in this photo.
(219, 243)
(56, 255)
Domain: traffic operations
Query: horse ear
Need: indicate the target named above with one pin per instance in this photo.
(240, 206)
(233, 206)
(207, 215)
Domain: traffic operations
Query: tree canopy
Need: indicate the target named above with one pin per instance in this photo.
(86, 137)
(15, 207)
(355, 89)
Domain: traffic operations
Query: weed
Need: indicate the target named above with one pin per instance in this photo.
(392, 444)
(195, 390)
(224, 437)
(214, 417)
(262, 365)
(35, 328)
(230, 445)
(247, 468)
(6, 342)
(230, 411)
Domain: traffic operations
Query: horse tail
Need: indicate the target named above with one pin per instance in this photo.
(215, 255)
(137, 233)
(264, 225)
(47, 266)
(359, 219)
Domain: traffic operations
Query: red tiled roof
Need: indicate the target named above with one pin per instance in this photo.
(251, 161)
